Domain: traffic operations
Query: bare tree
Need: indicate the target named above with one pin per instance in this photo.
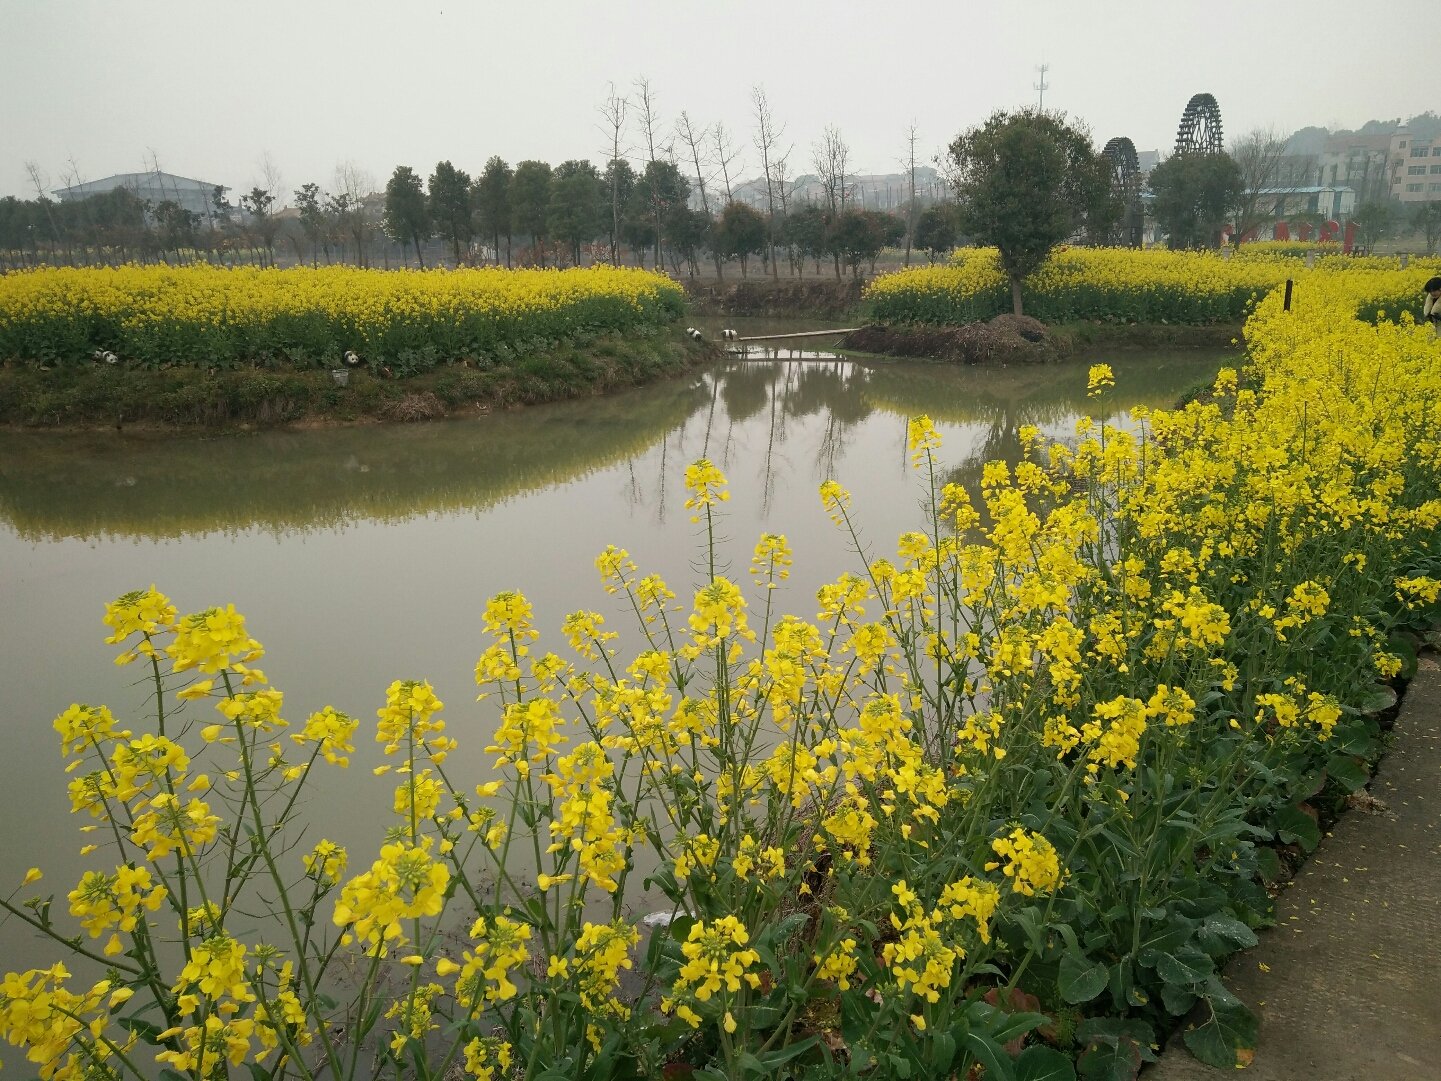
(767, 141)
(692, 140)
(613, 111)
(831, 158)
(352, 185)
(725, 153)
(270, 177)
(650, 129)
(70, 175)
(910, 164)
(173, 196)
(1260, 155)
(40, 180)
(785, 188)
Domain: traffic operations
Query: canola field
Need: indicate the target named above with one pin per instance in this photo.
(213, 317)
(1003, 801)
(1122, 285)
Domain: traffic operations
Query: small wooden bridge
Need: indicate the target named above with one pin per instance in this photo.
(797, 334)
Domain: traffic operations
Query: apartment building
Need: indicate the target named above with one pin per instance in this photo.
(1415, 163)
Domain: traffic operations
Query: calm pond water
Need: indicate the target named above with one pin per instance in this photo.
(366, 554)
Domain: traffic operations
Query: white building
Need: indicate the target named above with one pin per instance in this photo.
(1334, 203)
(196, 196)
(1415, 168)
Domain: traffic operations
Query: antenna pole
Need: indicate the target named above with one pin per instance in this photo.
(1041, 87)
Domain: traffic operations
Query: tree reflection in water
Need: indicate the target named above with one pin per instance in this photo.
(105, 484)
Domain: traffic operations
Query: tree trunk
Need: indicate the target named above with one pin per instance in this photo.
(1016, 295)
(419, 258)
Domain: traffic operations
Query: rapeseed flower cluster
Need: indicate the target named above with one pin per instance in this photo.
(226, 317)
(717, 961)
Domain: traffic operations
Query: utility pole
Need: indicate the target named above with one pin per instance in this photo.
(1041, 87)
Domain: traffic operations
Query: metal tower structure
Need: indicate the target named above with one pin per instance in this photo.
(1126, 187)
(1200, 129)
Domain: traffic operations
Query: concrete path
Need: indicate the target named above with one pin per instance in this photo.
(1348, 983)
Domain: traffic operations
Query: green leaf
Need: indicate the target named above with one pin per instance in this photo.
(258, 1072)
(1041, 1063)
(144, 1029)
(1226, 1040)
(1268, 864)
(1219, 996)
(1110, 1030)
(1295, 826)
(1168, 937)
(1353, 738)
(783, 1055)
(1118, 1061)
(751, 1065)
(1080, 980)
(1228, 930)
(1377, 700)
(787, 927)
(1186, 967)
(1003, 1027)
(992, 1055)
(1177, 1000)
(760, 1017)
(1348, 772)
(943, 1053)
(900, 1066)
(1031, 925)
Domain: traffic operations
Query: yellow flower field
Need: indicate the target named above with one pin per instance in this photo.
(208, 316)
(1119, 285)
(1007, 796)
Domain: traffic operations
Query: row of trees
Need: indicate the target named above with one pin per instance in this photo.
(670, 190)
(668, 195)
(572, 212)
(120, 226)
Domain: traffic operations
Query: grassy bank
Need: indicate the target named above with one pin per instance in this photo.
(122, 396)
(1009, 340)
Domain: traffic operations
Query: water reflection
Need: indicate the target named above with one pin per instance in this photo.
(103, 484)
(107, 484)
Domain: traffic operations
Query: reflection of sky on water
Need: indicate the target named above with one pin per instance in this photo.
(362, 555)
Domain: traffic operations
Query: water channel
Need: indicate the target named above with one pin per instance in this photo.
(360, 555)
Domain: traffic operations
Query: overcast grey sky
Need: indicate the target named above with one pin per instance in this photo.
(210, 86)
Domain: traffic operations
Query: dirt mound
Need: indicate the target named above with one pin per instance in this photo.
(1006, 339)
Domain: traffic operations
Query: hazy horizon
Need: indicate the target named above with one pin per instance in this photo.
(209, 90)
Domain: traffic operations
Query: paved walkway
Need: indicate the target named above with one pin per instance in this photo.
(1348, 983)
